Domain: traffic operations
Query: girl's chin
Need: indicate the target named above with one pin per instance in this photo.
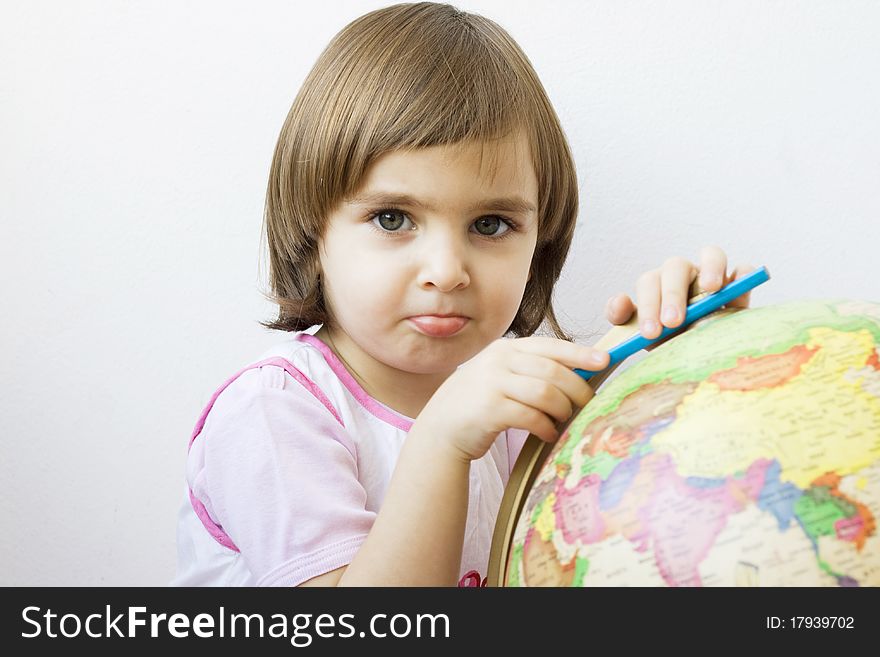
(432, 356)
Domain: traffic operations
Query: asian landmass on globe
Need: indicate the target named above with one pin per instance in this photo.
(746, 451)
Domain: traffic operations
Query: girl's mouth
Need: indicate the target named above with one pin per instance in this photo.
(438, 327)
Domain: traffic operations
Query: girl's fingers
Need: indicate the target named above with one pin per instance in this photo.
(538, 394)
(739, 272)
(569, 354)
(648, 302)
(713, 268)
(542, 370)
(675, 281)
(619, 309)
(525, 417)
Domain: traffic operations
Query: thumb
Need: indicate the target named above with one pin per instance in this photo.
(619, 309)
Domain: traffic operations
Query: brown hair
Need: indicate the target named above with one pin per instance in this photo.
(409, 76)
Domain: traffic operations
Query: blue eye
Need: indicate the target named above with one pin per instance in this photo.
(389, 221)
(491, 223)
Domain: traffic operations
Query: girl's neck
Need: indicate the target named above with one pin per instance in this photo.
(404, 392)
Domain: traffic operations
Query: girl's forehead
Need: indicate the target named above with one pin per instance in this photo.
(433, 178)
(513, 146)
(503, 160)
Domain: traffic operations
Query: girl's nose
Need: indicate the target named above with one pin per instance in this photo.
(442, 265)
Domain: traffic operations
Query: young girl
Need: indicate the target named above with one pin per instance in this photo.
(421, 203)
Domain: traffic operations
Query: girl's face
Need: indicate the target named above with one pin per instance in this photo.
(439, 230)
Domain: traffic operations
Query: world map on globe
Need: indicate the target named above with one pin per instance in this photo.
(745, 451)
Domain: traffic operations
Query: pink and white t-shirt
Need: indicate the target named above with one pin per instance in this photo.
(287, 468)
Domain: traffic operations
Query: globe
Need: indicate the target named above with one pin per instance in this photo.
(744, 451)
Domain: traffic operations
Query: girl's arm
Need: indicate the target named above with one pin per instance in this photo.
(416, 538)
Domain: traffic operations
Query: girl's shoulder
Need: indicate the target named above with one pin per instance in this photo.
(300, 349)
(285, 393)
(302, 370)
(295, 364)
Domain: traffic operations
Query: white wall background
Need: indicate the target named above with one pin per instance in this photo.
(135, 141)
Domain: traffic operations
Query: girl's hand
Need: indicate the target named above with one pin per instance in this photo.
(663, 293)
(527, 383)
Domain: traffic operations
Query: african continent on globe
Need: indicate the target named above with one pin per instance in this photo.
(745, 451)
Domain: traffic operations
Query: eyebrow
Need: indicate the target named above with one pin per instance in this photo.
(501, 204)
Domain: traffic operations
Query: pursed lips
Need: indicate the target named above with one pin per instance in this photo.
(439, 326)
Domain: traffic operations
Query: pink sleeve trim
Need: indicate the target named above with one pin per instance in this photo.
(215, 530)
(322, 560)
(290, 368)
(355, 388)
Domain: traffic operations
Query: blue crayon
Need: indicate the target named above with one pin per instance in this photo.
(695, 311)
